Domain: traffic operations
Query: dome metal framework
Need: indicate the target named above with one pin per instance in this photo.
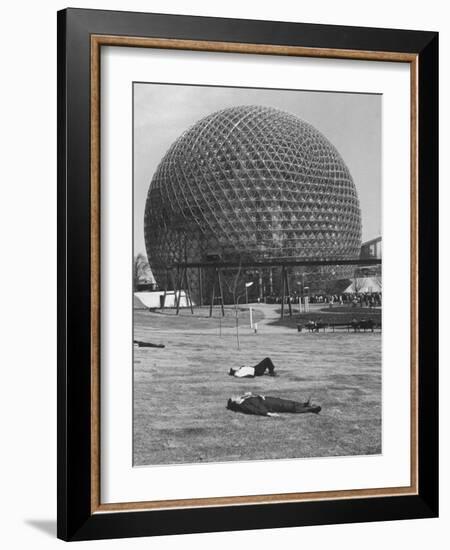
(251, 182)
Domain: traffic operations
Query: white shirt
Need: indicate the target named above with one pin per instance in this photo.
(239, 399)
(244, 371)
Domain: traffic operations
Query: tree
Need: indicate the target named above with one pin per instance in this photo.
(236, 292)
(141, 270)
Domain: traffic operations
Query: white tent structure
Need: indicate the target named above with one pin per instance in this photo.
(363, 285)
(153, 299)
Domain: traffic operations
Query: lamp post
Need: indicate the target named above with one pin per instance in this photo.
(247, 286)
(237, 317)
(302, 283)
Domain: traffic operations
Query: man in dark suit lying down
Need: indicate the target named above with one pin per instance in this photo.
(263, 405)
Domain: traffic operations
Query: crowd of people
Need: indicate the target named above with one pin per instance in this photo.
(362, 299)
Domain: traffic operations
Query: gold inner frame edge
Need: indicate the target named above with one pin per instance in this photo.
(97, 41)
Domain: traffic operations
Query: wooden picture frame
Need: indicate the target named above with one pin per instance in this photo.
(81, 35)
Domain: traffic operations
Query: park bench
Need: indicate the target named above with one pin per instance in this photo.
(357, 326)
(312, 326)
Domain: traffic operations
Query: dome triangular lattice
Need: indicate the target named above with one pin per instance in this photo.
(251, 180)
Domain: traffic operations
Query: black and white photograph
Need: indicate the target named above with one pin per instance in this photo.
(257, 274)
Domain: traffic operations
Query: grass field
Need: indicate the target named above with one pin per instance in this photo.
(180, 392)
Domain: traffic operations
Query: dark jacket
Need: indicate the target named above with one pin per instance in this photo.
(263, 405)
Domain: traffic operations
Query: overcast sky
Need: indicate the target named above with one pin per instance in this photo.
(352, 122)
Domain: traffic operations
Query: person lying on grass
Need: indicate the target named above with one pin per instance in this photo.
(147, 344)
(264, 405)
(258, 370)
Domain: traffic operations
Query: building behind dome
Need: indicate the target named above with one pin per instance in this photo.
(250, 183)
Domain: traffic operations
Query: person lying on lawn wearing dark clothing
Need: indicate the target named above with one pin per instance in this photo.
(263, 405)
(147, 344)
(258, 370)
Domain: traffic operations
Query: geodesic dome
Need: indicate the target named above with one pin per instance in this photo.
(253, 182)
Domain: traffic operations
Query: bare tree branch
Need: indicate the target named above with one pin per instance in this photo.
(141, 270)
